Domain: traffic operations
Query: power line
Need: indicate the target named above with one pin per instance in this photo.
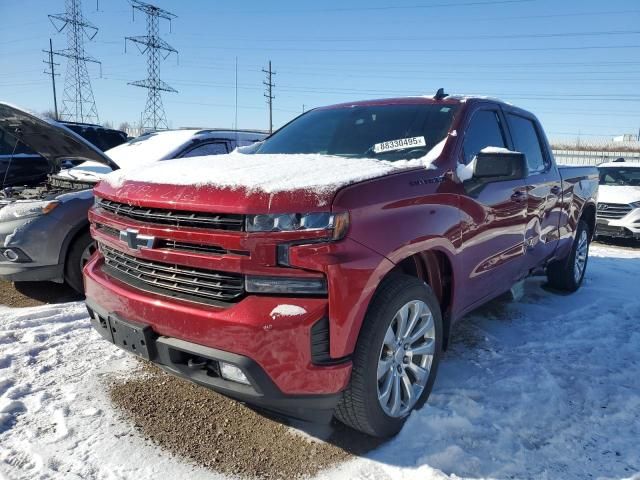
(472, 3)
(415, 50)
(153, 116)
(53, 74)
(78, 103)
(269, 94)
(336, 39)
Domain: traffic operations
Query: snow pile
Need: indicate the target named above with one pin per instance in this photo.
(544, 387)
(287, 311)
(271, 173)
(55, 418)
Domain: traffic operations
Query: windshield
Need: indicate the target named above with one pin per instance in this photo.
(620, 176)
(389, 132)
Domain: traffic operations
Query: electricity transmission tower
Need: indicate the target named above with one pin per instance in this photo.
(156, 49)
(77, 99)
(269, 93)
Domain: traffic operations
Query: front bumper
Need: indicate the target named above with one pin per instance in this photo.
(40, 240)
(274, 350)
(200, 364)
(626, 227)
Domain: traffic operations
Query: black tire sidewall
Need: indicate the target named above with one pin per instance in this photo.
(73, 270)
(379, 318)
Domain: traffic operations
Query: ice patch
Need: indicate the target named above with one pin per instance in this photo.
(287, 311)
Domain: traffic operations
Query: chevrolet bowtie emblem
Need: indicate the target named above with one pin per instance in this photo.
(134, 240)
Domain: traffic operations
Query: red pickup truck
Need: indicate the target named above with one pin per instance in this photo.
(319, 272)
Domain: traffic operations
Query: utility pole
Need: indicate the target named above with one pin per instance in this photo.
(53, 74)
(153, 117)
(236, 112)
(78, 103)
(269, 94)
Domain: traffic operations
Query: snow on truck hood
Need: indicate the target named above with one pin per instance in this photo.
(618, 194)
(269, 173)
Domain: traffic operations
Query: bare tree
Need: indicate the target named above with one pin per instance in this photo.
(49, 114)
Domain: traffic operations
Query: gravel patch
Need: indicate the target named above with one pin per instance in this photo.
(224, 435)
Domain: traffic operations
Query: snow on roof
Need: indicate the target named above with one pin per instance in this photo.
(269, 173)
(149, 147)
(625, 164)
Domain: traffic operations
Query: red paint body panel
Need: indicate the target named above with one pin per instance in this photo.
(484, 237)
(280, 345)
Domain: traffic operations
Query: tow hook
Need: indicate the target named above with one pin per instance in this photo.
(197, 364)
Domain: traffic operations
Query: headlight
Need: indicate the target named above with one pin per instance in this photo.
(26, 209)
(291, 222)
(635, 204)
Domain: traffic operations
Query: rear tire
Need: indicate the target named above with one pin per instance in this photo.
(408, 362)
(79, 253)
(567, 274)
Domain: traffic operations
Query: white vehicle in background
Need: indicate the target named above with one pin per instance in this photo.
(619, 200)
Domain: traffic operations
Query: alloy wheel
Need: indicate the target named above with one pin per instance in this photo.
(405, 358)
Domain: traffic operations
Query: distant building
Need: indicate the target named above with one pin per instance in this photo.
(627, 137)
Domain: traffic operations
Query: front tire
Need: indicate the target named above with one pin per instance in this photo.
(79, 253)
(567, 274)
(396, 358)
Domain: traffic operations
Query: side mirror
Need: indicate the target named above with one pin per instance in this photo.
(499, 166)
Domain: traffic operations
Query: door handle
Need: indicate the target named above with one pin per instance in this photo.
(519, 196)
(555, 190)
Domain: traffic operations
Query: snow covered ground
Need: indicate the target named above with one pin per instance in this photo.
(546, 387)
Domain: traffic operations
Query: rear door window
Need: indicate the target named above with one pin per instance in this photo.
(526, 140)
(484, 130)
(216, 148)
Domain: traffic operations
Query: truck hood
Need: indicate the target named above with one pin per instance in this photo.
(48, 138)
(239, 183)
(618, 194)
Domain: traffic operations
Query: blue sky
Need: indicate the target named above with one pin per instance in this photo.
(575, 63)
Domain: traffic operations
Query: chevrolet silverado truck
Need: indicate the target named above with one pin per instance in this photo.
(319, 273)
(44, 230)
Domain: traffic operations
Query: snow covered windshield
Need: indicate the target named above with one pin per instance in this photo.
(620, 176)
(390, 132)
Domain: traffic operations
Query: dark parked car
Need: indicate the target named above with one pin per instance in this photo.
(28, 168)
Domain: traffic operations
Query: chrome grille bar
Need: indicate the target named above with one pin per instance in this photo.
(176, 218)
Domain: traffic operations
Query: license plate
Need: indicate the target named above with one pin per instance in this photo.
(133, 337)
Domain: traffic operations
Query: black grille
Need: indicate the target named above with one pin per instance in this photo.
(176, 218)
(178, 281)
(613, 211)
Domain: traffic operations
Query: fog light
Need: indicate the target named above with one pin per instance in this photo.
(11, 255)
(233, 373)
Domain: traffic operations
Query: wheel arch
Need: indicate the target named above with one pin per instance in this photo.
(435, 268)
(70, 238)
